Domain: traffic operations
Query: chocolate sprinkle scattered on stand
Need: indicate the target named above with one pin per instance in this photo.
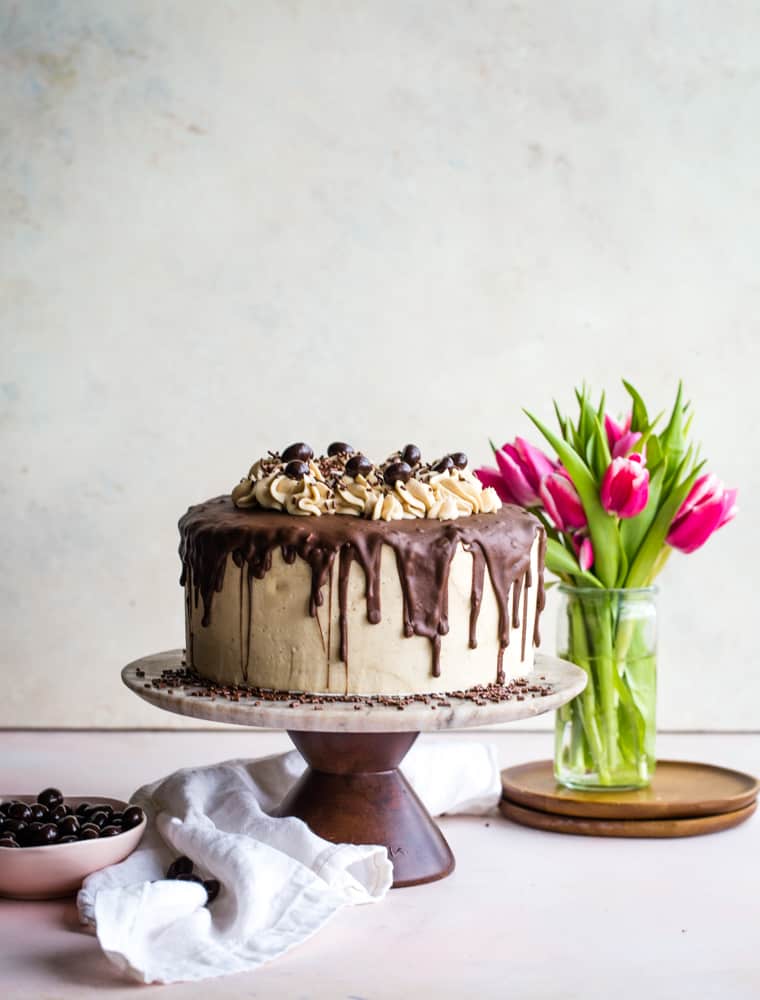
(193, 685)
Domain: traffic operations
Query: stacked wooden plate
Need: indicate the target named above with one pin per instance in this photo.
(684, 799)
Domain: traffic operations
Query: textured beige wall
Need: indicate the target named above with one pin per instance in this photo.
(229, 225)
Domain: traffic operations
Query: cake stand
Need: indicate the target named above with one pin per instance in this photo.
(353, 791)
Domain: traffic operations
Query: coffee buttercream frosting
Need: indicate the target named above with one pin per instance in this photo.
(347, 483)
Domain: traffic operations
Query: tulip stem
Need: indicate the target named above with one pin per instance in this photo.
(587, 705)
(605, 736)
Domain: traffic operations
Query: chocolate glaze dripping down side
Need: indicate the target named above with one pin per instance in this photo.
(241, 637)
(328, 651)
(476, 594)
(526, 594)
(245, 621)
(344, 568)
(517, 587)
(423, 569)
(500, 542)
(189, 641)
(249, 629)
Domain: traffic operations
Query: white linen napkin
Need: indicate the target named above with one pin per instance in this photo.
(280, 882)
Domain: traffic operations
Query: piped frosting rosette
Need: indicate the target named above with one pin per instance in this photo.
(345, 482)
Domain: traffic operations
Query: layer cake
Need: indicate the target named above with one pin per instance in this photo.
(334, 575)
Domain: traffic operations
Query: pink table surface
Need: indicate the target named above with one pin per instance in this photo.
(526, 914)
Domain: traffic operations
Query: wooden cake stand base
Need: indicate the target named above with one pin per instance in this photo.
(353, 791)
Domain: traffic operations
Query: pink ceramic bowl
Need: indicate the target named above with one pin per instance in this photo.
(58, 869)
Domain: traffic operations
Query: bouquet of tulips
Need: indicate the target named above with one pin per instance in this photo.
(618, 498)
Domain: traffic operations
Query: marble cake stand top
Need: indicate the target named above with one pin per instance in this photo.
(551, 683)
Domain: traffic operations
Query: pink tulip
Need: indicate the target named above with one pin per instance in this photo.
(708, 507)
(620, 437)
(523, 466)
(584, 550)
(492, 477)
(562, 503)
(625, 486)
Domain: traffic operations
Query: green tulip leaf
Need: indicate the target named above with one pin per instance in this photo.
(622, 564)
(650, 446)
(600, 408)
(562, 421)
(601, 449)
(589, 453)
(672, 438)
(639, 416)
(634, 529)
(563, 563)
(602, 526)
(587, 415)
(687, 422)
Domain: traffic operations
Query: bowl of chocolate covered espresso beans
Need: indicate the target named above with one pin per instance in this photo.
(49, 844)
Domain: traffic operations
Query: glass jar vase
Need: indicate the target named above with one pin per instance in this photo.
(605, 738)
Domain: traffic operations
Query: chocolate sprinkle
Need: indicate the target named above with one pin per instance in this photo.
(193, 685)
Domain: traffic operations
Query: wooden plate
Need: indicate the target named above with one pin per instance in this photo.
(666, 827)
(680, 790)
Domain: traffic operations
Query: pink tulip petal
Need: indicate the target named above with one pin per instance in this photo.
(562, 502)
(616, 431)
(493, 478)
(625, 443)
(637, 501)
(708, 507)
(586, 555)
(584, 550)
(693, 531)
(514, 478)
(534, 463)
(730, 510)
(551, 507)
(704, 488)
(639, 493)
(625, 486)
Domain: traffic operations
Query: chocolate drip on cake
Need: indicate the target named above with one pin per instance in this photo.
(517, 587)
(188, 616)
(344, 568)
(476, 593)
(499, 542)
(329, 623)
(246, 620)
(526, 590)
